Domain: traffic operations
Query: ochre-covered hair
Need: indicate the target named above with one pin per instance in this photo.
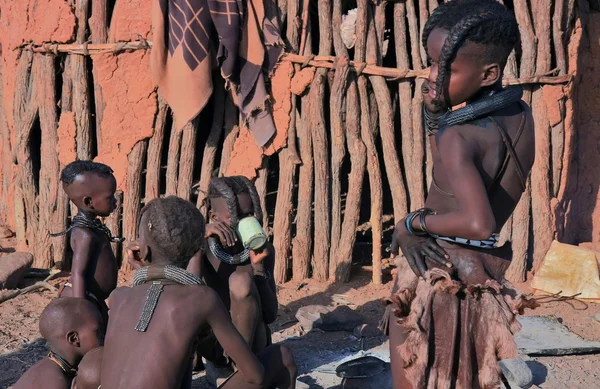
(228, 188)
(486, 22)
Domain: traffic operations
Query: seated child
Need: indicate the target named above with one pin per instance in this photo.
(88, 375)
(91, 187)
(72, 327)
(157, 321)
(240, 276)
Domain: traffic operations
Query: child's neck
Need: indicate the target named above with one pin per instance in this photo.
(483, 92)
(86, 214)
(70, 357)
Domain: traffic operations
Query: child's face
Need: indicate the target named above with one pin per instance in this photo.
(220, 210)
(103, 200)
(467, 73)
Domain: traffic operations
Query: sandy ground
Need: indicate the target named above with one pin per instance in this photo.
(21, 345)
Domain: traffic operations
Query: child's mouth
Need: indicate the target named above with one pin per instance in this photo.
(432, 93)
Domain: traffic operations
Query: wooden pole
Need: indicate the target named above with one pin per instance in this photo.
(173, 160)
(186, 163)
(231, 131)
(155, 145)
(81, 92)
(212, 143)
(99, 35)
(113, 222)
(131, 200)
(261, 189)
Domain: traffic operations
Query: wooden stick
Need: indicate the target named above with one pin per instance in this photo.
(81, 93)
(423, 16)
(212, 143)
(336, 22)
(292, 33)
(155, 145)
(305, 25)
(173, 160)
(38, 285)
(44, 253)
(131, 201)
(25, 112)
(358, 159)
(261, 188)
(540, 173)
(415, 37)
(231, 131)
(394, 74)
(186, 162)
(302, 243)
(113, 222)
(99, 35)
(338, 153)
(517, 271)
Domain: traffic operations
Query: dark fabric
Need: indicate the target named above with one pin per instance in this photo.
(184, 51)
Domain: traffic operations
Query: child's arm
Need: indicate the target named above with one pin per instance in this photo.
(264, 263)
(81, 243)
(474, 218)
(230, 339)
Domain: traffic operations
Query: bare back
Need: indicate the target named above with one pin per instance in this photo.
(159, 357)
(44, 374)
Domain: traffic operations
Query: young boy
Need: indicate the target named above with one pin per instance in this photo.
(88, 375)
(157, 321)
(453, 311)
(241, 277)
(91, 187)
(72, 327)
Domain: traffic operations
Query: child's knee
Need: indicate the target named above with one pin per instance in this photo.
(240, 285)
(288, 358)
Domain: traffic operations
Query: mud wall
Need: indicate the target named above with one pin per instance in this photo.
(349, 154)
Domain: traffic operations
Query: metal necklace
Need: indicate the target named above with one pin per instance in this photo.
(217, 250)
(86, 222)
(65, 366)
(156, 274)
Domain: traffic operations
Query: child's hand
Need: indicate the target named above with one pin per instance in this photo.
(225, 233)
(133, 256)
(257, 258)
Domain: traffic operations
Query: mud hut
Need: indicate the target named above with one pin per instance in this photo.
(349, 156)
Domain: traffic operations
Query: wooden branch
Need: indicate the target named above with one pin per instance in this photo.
(338, 153)
(81, 92)
(131, 201)
(336, 21)
(38, 285)
(186, 161)
(415, 37)
(292, 33)
(25, 112)
(302, 243)
(517, 271)
(231, 131)
(357, 151)
(173, 160)
(44, 253)
(212, 143)
(392, 74)
(261, 189)
(98, 21)
(155, 145)
(305, 25)
(423, 16)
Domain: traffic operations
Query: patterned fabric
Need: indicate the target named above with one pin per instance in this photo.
(490, 243)
(234, 35)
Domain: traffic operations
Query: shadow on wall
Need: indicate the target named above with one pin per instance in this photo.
(582, 204)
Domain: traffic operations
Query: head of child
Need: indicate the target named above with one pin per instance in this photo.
(232, 199)
(72, 327)
(90, 186)
(171, 232)
(468, 43)
(88, 372)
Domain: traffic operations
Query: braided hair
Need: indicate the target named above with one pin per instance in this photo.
(485, 22)
(228, 188)
(76, 168)
(175, 226)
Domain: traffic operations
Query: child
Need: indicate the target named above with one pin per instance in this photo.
(241, 277)
(72, 327)
(91, 187)
(88, 375)
(454, 313)
(158, 320)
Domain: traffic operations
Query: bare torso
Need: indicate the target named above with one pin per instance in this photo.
(44, 374)
(102, 270)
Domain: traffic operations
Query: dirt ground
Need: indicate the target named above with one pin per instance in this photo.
(21, 345)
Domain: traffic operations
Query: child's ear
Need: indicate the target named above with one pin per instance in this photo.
(87, 201)
(491, 75)
(212, 216)
(73, 338)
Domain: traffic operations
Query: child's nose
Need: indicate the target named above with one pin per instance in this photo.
(433, 73)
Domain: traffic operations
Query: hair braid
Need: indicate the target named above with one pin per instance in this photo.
(434, 20)
(249, 186)
(219, 187)
(455, 38)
